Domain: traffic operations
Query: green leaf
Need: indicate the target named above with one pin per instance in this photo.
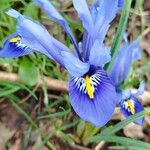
(31, 10)
(80, 128)
(120, 31)
(86, 130)
(28, 72)
(5, 4)
(120, 125)
(128, 142)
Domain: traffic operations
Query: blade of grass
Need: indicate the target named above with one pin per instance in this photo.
(28, 118)
(5, 92)
(54, 115)
(120, 125)
(139, 145)
(120, 31)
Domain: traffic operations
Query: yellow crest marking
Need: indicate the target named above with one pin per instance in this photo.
(131, 107)
(89, 87)
(15, 40)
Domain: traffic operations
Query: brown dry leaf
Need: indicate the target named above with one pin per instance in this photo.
(5, 135)
(134, 131)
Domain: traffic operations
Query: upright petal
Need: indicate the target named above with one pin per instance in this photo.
(140, 90)
(50, 10)
(123, 61)
(103, 12)
(99, 54)
(126, 94)
(84, 15)
(74, 66)
(120, 3)
(132, 106)
(89, 100)
(35, 36)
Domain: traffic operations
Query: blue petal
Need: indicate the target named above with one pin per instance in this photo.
(140, 90)
(74, 66)
(103, 12)
(54, 14)
(123, 61)
(120, 3)
(135, 47)
(98, 110)
(35, 36)
(134, 106)
(126, 94)
(89, 41)
(13, 13)
(99, 54)
(14, 50)
(84, 15)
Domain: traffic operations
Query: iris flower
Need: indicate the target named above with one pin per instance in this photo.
(91, 91)
(127, 101)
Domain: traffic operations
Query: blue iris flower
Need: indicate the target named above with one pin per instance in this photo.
(92, 93)
(127, 101)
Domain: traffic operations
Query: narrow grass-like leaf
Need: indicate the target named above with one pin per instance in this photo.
(120, 125)
(28, 118)
(28, 72)
(69, 125)
(120, 30)
(139, 145)
(5, 91)
(54, 115)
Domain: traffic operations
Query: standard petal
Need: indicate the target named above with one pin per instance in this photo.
(84, 15)
(132, 106)
(74, 66)
(120, 3)
(103, 12)
(35, 36)
(123, 61)
(140, 90)
(50, 10)
(97, 108)
(99, 54)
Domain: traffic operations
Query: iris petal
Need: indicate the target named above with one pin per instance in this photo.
(84, 15)
(123, 61)
(132, 106)
(11, 50)
(103, 12)
(54, 14)
(14, 49)
(99, 54)
(74, 66)
(140, 90)
(100, 108)
(35, 36)
(120, 3)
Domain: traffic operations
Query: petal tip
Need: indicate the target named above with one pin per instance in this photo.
(13, 13)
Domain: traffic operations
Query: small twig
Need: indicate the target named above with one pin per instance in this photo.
(52, 84)
(58, 85)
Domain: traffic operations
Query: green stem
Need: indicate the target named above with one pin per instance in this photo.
(120, 31)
